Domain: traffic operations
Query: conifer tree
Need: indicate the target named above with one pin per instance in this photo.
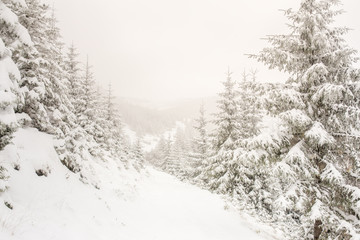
(226, 120)
(220, 173)
(12, 32)
(165, 146)
(73, 73)
(181, 149)
(318, 159)
(89, 113)
(201, 144)
(138, 155)
(157, 155)
(115, 141)
(30, 61)
(90, 103)
(248, 112)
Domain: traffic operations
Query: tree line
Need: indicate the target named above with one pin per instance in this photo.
(287, 152)
(44, 85)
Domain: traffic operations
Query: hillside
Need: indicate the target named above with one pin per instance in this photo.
(125, 205)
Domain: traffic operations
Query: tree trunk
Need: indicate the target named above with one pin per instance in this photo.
(317, 229)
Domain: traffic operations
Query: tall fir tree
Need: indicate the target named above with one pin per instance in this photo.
(318, 162)
(201, 144)
(220, 172)
(226, 119)
(30, 62)
(73, 73)
(138, 155)
(164, 146)
(249, 109)
(89, 111)
(12, 34)
(115, 139)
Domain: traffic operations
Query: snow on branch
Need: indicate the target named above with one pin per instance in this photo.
(331, 174)
(329, 93)
(296, 117)
(318, 135)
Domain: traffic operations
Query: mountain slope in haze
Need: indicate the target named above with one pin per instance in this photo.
(145, 117)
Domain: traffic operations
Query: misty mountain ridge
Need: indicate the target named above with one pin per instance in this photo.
(156, 117)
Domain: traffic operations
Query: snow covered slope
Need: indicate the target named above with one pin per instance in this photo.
(127, 205)
(60, 205)
(166, 208)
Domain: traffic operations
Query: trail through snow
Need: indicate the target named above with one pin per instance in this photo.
(167, 209)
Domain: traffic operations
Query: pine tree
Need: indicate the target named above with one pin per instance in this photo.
(88, 110)
(156, 156)
(12, 32)
(115, 141)
(200, 143)
(173, 162)
(181, 156)
(75, 87)
(226, 120)
(90, 103)
(58, 100)
(29, 61)
(166, 152)
(317, 163)
(220, 173)
(138, 155)
(248, 110)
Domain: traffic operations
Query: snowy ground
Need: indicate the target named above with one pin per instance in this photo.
(128, 206)
(169, 209)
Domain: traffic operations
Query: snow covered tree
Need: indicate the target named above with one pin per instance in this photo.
(44, 82)
(248, 107)
(29, 61)
(58, 99)
(220, 171)
(200, 153)
(88, 110)
(171, 162)
(226, 120)
(75, 87)
(110, 121)
(138, 155)
(8, 98)
(175, 156)
(89, 99)
(157, 155)
(165, 147)
(12, 34)
(181, 149)
(317, 161)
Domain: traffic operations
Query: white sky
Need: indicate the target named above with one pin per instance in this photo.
(171, 49)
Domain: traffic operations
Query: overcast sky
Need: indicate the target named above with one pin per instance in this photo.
(171, 49)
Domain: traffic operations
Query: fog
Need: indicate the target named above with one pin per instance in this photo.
(167, 50)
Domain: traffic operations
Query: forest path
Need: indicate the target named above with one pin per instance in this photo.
(168, 209)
